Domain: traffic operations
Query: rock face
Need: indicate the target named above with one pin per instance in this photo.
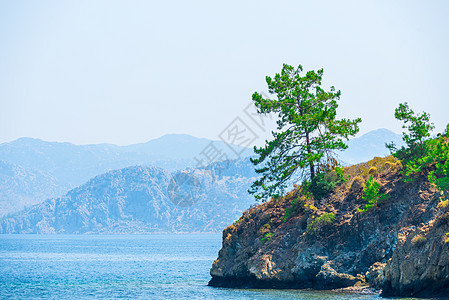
(294, 242)
(420, 264)
(139, 200)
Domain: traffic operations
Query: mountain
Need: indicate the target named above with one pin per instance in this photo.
(182, 146)
(59, 167)
(140, 199)
(73, 165)
(55, 168)
(20, 187)
(369, 145)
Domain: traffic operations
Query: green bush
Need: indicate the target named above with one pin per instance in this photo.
(422, 153)
(323, 184)
(296, 207)
(266, 237)
(316, 225)
(372, 194)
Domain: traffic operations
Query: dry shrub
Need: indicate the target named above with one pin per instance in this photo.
(378, 165)
(372, 171)
(357, 184)
(443, 204)
(418, 240)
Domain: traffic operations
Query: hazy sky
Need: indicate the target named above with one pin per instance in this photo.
(128, 71)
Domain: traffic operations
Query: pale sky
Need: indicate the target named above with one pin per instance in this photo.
(124, 72)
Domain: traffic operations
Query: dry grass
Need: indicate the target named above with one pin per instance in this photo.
(443, 204)
(376, 166)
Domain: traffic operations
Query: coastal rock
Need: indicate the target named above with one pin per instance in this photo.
(375, 275)
(328, 278)
(284, 243)
(420, 263)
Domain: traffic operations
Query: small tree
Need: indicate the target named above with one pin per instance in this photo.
(309, 133)
(423, 155)
(418, 128)
(372, 194)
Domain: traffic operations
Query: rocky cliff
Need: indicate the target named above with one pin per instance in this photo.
(398, 246)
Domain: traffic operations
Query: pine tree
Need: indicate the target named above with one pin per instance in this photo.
(308, 132)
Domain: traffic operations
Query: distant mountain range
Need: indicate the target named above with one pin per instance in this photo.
(369, 145)
(32, 170)
(72, 165)
(140, 200)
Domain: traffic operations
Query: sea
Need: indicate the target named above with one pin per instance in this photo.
(154, 266)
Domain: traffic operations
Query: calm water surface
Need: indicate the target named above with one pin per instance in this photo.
(158, 266)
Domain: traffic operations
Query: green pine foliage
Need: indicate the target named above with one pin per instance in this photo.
(437, 155)
(323, 184)
(418, 128)
(422, 155)
(296, 207)
(308, 131)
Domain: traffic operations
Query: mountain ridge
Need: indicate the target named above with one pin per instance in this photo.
(71, 165)
(140, 199)
(369, 145)
(26, 187)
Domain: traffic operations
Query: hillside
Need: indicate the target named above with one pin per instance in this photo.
(20, 187)
(46, 170)
(140, 200)
(400, 245)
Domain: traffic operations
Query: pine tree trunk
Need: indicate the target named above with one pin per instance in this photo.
(309, 151)
(312, 168)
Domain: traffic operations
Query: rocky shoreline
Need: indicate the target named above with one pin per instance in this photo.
(398, 248)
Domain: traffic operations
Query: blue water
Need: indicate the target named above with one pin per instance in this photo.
(159, 266)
